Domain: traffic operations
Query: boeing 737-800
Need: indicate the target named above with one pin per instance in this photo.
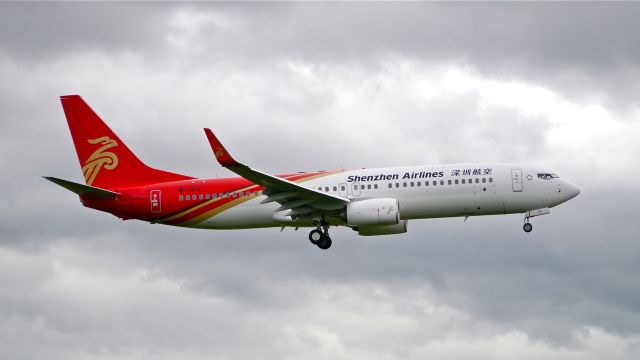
(370, 201)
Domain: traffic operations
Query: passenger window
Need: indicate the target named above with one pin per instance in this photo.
(449, 182)
(484, 180)
(188, 197)
(441, 182)
(342, 188)
(208, 196)
(335, 188)
(180, 198)
(426, 183)
(326, 188)
(355, 187)
(490, 179)
(477, 180)
(368, 186)
(435, 183)
(404, 184)
(390, 185)
(456, 181)
(397, 185)
(319, 189)
(412, 184)
(375, 186)
(463, 181)
(419, 183)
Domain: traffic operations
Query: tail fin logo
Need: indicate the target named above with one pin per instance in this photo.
(100, 158)
(219, 153)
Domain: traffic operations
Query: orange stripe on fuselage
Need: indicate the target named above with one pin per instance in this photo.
(208, 205)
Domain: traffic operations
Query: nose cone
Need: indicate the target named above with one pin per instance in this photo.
(570, 190)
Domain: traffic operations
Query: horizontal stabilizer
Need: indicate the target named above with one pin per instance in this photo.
(84, 190)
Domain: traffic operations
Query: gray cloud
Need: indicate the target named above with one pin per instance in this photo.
(584, 50)
(308, 86)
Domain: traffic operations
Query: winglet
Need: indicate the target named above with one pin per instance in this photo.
(222, 155)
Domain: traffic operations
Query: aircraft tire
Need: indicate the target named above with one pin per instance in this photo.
(527, 227)
(325, 243)
(315, 236)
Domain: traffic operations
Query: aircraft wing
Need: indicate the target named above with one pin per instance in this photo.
(299, 200)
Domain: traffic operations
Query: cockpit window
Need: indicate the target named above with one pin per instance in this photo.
(547, 176)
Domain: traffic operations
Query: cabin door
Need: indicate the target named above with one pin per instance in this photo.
(516, 180)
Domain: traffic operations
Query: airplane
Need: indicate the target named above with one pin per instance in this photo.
(375, 201)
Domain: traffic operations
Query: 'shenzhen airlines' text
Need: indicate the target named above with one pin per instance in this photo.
(386, 177)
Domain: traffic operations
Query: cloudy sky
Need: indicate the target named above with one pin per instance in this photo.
(323, 86)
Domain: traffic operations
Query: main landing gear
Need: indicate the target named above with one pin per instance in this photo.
(320, 237)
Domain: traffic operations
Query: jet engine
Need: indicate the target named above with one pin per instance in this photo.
(380, 211)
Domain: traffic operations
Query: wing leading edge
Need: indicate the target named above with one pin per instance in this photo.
(297, 199)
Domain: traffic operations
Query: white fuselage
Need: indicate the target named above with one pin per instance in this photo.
(422, 192)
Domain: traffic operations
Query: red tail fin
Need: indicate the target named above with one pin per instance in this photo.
(105, 160)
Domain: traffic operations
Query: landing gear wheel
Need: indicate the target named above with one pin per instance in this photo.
(527, 227)
(324, 243)
(315, 236)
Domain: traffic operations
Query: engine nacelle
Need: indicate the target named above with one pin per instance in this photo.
(398, 228)
(381, 211)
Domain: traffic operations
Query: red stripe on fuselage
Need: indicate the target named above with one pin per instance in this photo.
(135, 203)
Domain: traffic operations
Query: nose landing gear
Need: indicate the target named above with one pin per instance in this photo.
(527, 227)
(320, 237)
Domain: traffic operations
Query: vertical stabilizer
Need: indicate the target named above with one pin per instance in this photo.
(105, 160)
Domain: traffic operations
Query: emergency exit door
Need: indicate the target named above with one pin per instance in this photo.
(156, 201)
(516, 180)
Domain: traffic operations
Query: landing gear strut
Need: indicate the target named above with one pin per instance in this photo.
(320, 237)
